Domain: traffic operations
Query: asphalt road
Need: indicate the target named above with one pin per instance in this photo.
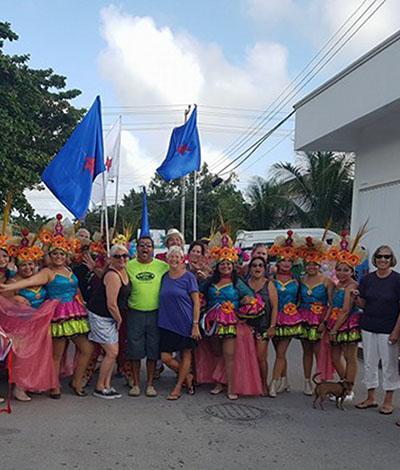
(152, 433)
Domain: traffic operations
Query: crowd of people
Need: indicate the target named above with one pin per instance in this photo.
(209, 315)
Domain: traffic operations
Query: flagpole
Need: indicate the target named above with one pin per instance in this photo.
(187, 111)
(195, 205)
(106, 215)
(117, 178)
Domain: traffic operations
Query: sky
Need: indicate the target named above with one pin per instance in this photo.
(150, 59)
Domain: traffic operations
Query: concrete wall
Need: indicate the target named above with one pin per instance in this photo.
(377, 183)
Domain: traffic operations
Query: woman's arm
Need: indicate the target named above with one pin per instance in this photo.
(273, 298)
(112, 283)
(394, 335)
(196, 315)
(42, 278)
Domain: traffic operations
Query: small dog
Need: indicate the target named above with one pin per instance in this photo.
(337, 389)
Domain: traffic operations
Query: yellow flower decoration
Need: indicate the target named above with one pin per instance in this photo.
(24, 254)
(58, 242)
(274, 250)
(290, 309)
(36, 253)
(333, 253)
(354, 260)
(215, 252)
(12, 251)
(343, 257)
(287, 252)
(76, 244)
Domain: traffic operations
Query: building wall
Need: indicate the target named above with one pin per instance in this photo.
(377, 184)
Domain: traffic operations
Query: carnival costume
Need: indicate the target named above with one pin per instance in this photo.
(221, 319)
(70, 317)
(313, 300)
(289, 321)
(29, 327)
(345, 250)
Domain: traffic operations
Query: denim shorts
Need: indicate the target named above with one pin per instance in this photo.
(143, 335)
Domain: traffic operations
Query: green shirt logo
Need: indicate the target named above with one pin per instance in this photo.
(145, 277)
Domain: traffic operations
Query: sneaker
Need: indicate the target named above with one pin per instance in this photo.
(134, 391)
(106, 394)
(115, 392)
(151, 391)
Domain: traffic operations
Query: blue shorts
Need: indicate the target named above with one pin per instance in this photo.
(143, 335)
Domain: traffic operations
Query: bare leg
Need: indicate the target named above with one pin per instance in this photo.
(58, 351)
(262, 356)
(350, 355)
(151, 367)
(107, 366)
(85, 350)
(136, 372)
(338, 360)
(170, 361)
(280, 360)
(284, 371)
(228, 351)
(307, 358)
(184, 369)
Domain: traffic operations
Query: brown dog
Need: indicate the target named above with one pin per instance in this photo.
(337, 389)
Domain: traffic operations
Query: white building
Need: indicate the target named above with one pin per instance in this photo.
(358, 110)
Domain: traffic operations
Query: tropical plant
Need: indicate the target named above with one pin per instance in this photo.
(268, 205)
(319, 185)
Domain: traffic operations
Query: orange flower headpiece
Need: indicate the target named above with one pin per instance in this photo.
(3, 242)
(222, 247)
(312, 250)
(24, 248)
(346, 250)
(285, 247)
(56, 235)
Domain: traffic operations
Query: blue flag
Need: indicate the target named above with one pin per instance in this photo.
(183, 155)
(70, 174)
(145, 227)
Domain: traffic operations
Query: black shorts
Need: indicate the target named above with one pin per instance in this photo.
(172, 342)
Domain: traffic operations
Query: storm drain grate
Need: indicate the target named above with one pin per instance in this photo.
(233, 411)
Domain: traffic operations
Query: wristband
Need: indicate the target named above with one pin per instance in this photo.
(195, 323)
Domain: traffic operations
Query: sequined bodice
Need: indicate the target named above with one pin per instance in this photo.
(63, 287)
(219, 295)
(338, 299)
(287, 292)
(313, 295)
(35, 296)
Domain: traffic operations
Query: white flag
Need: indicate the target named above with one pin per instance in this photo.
(112, 144)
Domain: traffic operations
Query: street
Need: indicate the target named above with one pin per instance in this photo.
(192, 433)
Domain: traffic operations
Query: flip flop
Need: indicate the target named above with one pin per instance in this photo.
(171, 397)
(364, 405)
(386, 410)
(398, 423)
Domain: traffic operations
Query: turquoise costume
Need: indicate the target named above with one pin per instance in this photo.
(289, 322)
(350, 331)
(36, 297)
(220, 300)
(70, 317)
(313, 306)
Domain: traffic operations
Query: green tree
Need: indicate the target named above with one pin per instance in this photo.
(268, 206)
(35, 121)
(319, 186)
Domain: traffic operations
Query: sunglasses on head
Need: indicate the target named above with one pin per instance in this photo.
(124, 256)
(257, 265)
(383, 256)
(145, 245)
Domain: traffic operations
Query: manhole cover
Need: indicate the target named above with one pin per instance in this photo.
(235, 412)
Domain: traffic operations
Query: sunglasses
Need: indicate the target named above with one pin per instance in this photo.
(145, 245)
(258, 265)
(383, 256)
(124, 256)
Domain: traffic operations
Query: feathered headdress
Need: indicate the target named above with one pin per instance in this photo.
(347, 250)
(25, 247)
(285, 247)
(221, 246)
(58, 235)
(312, 250)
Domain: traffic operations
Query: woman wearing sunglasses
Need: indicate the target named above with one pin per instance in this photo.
(104, 309)
(264, 325)
(379, 297)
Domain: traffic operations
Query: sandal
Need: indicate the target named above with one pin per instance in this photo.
(232, 396)
(366, 404)
(398, 422)
(171, 397)
(386, 409)
(217, 390)
(190, 389)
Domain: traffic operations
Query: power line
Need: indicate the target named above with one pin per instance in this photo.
(283, 98)
(256, 145)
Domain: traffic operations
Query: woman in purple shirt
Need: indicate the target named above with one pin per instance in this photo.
(178, 319)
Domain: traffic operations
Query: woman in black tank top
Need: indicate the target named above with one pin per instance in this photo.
(104, 310)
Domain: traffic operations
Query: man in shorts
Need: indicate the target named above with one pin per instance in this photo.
(143, 336)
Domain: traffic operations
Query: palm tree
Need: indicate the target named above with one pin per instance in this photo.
(268, 208)
(319, 186)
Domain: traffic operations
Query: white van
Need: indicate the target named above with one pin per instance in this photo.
(246, 240)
